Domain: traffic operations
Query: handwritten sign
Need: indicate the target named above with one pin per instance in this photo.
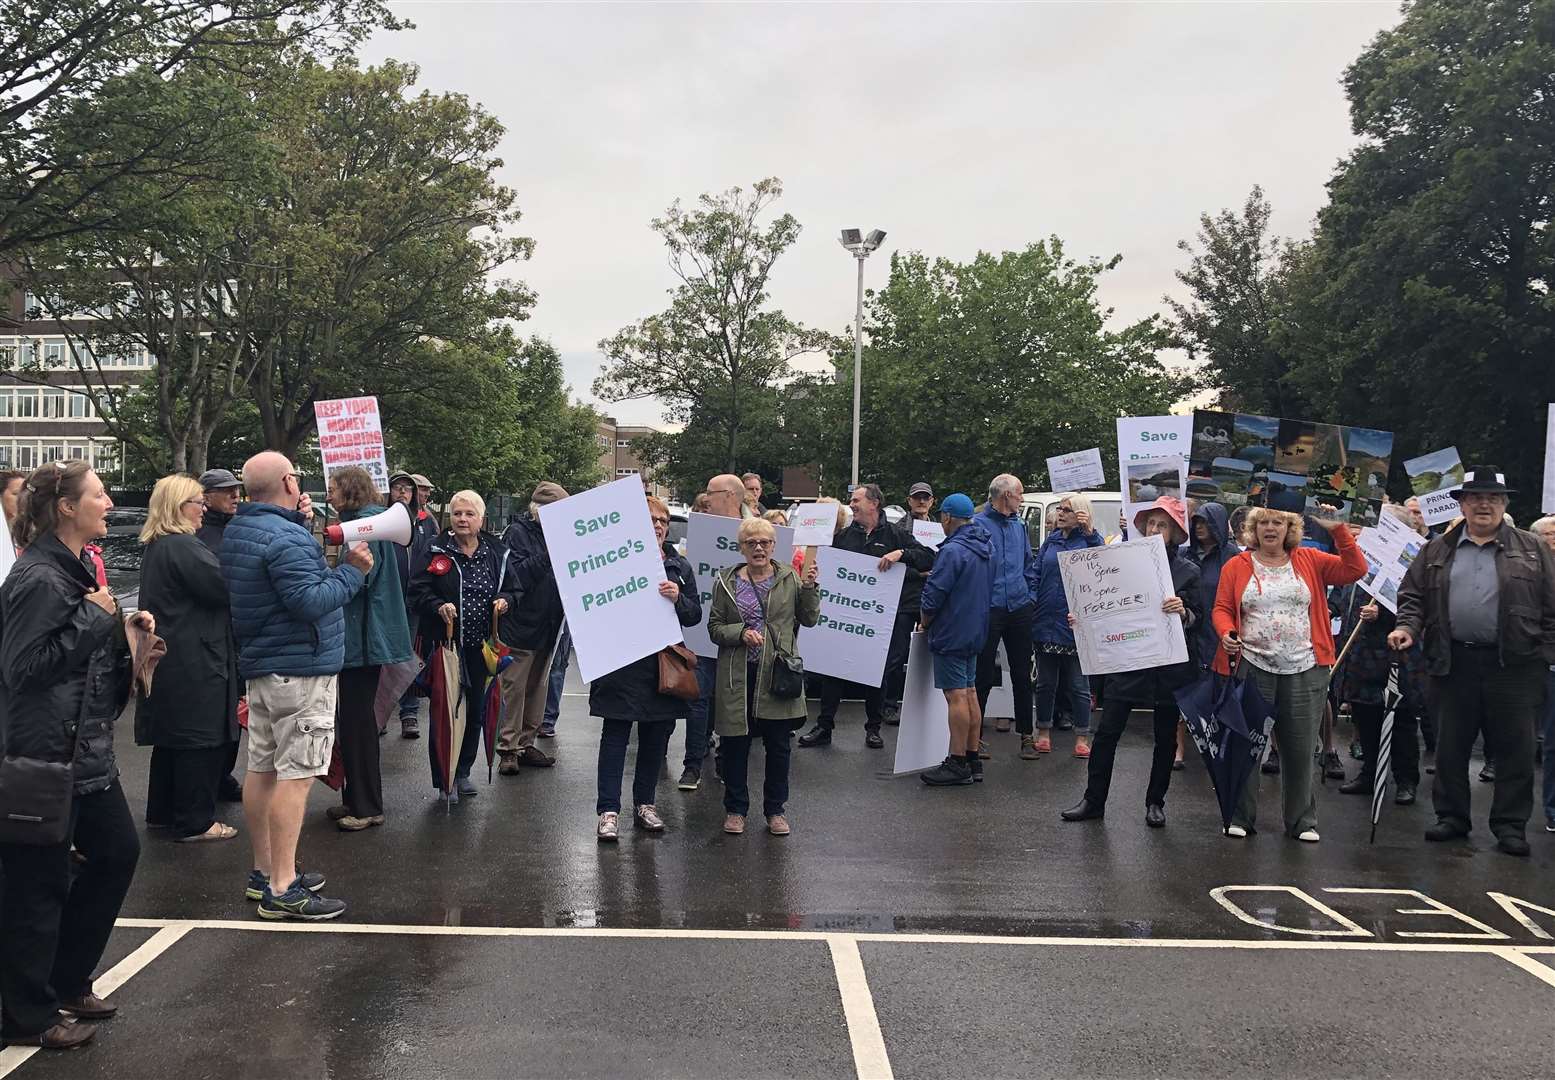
(1115, 594)
(608, 568)
(814, 524)
(931, 534)
(1076, 472)
(858, 613)
(351, 433)
(711, 545)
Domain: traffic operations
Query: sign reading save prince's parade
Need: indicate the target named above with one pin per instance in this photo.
(858, 611)
(608, 568)
(712, 545)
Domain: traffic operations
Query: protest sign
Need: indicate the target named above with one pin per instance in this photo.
(858, 613)
(1389, 549)
(931, 534)
(1076, 472)
(1432, 477)
(1549, 463)
(1147, 438)
(608, 568)
(1001, 697)
(923, 739)
(1146, 481)
(1115, 594)
(351, 433)
(7, 557)
(814, 524)
(711, 546)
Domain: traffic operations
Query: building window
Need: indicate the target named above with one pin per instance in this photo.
(7, 403)
(626, 472)
(54, 355)
(106, 456)
(79, 452)
(53, 404)
(27, 404)
(5, 455)
(53, 451)
(79, 406)
(27, 456)
(623, 442)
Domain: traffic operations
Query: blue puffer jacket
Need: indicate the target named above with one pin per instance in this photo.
(1014, 567)
(1052, 621)
(959, 593)
(1209, 564)
(286, 600)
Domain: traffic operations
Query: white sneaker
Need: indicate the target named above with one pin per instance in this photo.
(1309, 836)
(1236, 832)
(606, 829)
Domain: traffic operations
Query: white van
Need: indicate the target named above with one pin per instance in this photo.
(1105, 508)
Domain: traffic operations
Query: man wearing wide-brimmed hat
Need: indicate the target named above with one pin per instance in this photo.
(1481, 599)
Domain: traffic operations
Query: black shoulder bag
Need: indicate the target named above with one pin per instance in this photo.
(787, 680)
(35, 795)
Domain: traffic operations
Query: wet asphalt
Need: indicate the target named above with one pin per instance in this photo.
(870, 853)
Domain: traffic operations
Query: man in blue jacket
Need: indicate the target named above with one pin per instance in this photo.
(955, 604)
(1013, 604)
(286, 617)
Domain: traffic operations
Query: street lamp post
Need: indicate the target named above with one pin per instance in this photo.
(861, 247)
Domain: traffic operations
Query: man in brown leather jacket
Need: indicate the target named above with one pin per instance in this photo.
(1481, 599)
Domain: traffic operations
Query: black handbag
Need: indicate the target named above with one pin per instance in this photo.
(36, 795)
(787, 680)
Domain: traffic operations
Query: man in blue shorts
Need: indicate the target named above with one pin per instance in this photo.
(955, 605)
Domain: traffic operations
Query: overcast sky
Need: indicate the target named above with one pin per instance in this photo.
(954, 127)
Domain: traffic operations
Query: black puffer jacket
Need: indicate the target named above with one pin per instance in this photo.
(51, 637)
(632, 692)
(535, 620)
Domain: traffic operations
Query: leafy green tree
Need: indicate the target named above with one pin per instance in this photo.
(717, 355)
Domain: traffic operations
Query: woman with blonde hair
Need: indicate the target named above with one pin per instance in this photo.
(190, 717)
(1057, 657)
(757, 609)
(1271, 609)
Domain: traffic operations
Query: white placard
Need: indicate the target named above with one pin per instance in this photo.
(1001, 696)
(1150, 478)
(1115, 594)
(1389, 549)
(814, 524)
(351, 433)
(1146, 438)
(608, 568)
(858, 613)
(1549, 463)
(1437, 507)
(931, 534)
(923, 739)
(710, 547)
(1076, 472)
(7, 550)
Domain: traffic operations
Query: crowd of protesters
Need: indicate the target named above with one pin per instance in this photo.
(244, 622)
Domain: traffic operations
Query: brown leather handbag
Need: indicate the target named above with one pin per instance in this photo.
(678, 673)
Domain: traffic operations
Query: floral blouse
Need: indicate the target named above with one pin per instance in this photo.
(1276, 621)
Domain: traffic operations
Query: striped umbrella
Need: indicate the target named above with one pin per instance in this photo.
(1384, 764)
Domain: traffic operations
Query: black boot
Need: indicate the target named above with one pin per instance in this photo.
(1084, 810)
(816, 736)
(872, 738)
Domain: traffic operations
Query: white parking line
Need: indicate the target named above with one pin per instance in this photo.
(858, 1010)
(12, 1057)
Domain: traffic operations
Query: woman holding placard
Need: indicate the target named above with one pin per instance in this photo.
(1149, 688)
(757, 610)
(1272, 610)
(632, 694)
(1058, 661)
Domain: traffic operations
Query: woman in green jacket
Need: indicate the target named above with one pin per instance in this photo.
(377, 633)
(755, 618)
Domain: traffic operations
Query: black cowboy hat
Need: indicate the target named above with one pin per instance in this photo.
(1483, 479)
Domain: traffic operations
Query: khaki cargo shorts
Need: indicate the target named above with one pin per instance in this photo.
(291, 725)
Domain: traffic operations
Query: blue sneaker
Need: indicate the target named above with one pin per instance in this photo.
(300, 904)
(258, 881)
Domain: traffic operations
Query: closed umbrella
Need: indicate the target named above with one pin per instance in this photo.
(1230, 723)
(1379, 783)
(445, 713)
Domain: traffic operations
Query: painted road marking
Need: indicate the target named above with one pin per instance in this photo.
(858, 1009)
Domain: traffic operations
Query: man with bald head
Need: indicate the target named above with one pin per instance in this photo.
(290, 633)
(1014, 602)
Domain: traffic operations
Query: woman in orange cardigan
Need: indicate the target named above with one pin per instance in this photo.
(1272, 610)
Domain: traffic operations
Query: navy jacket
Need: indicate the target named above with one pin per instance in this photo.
(286, 601)
(959, 593)
(1052, 622)
(1209, 564)
(1014, 566)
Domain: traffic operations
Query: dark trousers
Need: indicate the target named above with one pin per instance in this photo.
(699, 718)
(1104, 749)
(653, 740)
(832, 693)
(181, 791)
(896, 657)
(1502, 702)
(1014, 629)
(777, 738)
(1405, 764)
(53, 930)
(475, 709)
(356, 734)
(1549, 748)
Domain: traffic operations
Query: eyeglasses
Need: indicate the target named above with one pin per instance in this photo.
(920, 496)
(195, 502)
(756, 543)
(661, 521)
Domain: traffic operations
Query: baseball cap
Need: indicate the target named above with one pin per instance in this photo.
(216, 479)
(920, 488)
(957, 506)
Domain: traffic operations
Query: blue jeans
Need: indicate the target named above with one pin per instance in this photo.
(410, 704)
(653, 739)
(553, 699)
(699, 720)
(1061, 674)
(1549, 747)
